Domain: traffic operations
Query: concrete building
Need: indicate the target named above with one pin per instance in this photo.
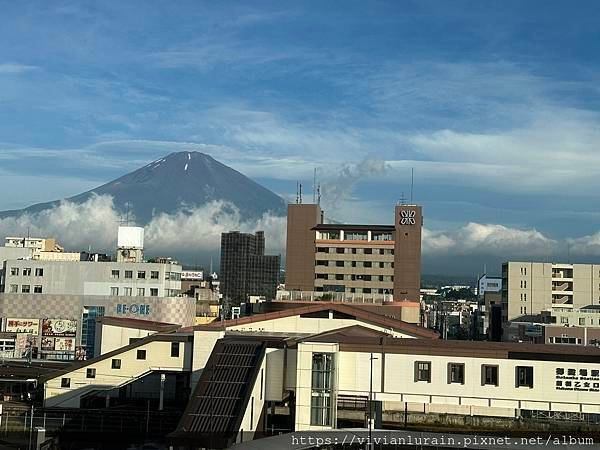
(489, 297)
(38, 245)
(72, 294)
(378, 263)
(528, 288)
(245, 269)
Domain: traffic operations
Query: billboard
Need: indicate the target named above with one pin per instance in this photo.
(64, 344)
(24, 326)
(59, 327)
(47, 343)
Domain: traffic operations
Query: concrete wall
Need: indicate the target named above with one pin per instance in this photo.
(111, 337)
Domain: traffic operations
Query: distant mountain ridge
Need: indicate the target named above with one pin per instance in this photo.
(179, 179)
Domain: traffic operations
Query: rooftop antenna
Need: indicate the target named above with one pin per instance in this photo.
(300, 193)
(297, 192)
(319, 195)
(412, 182)
(402, 200)
(315, 186)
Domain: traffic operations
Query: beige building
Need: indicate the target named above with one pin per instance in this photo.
(528, 288)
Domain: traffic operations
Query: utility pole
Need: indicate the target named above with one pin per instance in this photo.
(370, 411)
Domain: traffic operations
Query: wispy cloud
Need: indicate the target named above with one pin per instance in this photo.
(15, 68)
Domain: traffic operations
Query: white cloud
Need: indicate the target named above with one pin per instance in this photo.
(488, 239)
(585, 245)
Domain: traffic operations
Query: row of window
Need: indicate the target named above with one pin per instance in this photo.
(352, 290)
(356, 251)
(26, 272)
(489, 374)
(116, 364)
(366, 264)
(128, 274)
(25, 289)
(128, 292)
(353, 277)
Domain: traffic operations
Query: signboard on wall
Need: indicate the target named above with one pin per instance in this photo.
(577, 379)
(24, 326)
(64, 344)
(59, 327)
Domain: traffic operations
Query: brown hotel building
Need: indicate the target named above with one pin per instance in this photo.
(358, 260)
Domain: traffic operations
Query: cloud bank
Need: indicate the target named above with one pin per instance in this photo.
(194, 234)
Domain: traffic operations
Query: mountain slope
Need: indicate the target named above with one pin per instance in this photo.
(184, 179)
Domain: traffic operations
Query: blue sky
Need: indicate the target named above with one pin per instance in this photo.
(496, 106)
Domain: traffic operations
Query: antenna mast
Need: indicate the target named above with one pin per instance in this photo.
(412, 182)
(300, 193)
(315, 186)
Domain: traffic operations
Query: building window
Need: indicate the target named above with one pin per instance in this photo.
(524, 376)
(115, 364)
(65, 382)
(456, 373)
(368, 264)
(141, 354)
(90, 373)
(141, 292)
(489, 375)
(339, 276)
(340, 250)
(14, 271)
(141, 274)
(114, 291)
(322, 250)
(114, 274)
(153, 292)
(37, 289)
(339, 263)
(154, 274)
(322, 262)
(14, 288)
(423, 371)
(27, 272)
(564, 320)
(39, 272)
(322, 385)
(25, 289)
(129, 274)
(127, 292)
(581, 321)
(368, 251)
(175, 349)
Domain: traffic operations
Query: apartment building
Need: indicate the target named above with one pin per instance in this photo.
(528, 288)
(245, 269)
(374, 262)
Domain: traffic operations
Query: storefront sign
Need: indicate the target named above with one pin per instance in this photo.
(141, 310)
